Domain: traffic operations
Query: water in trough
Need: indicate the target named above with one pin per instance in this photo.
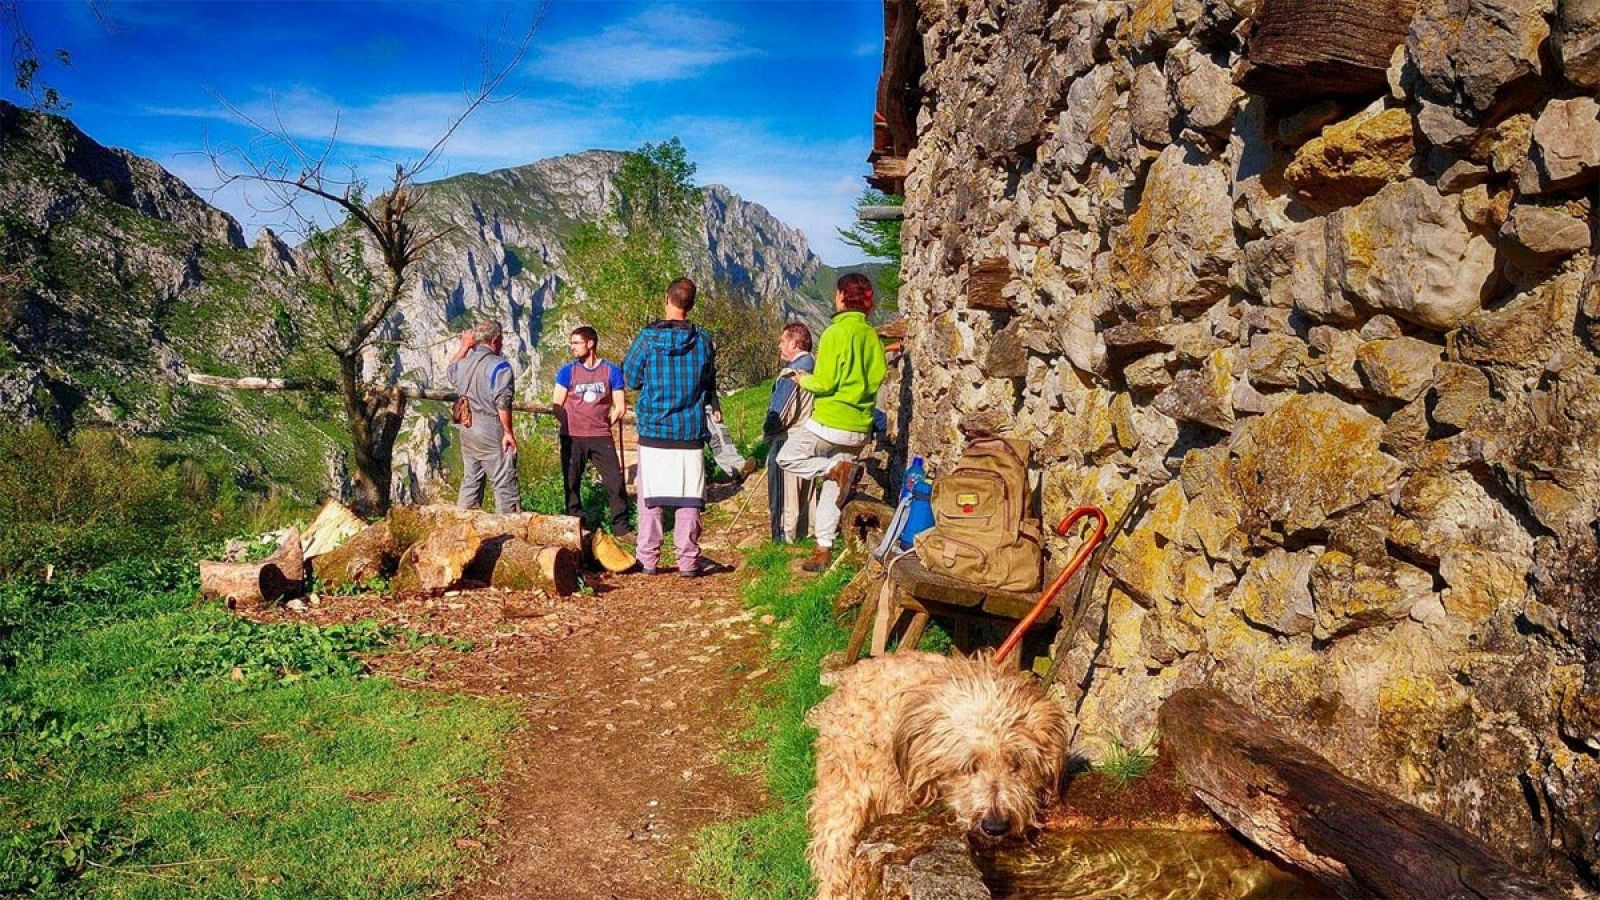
(1139, 864)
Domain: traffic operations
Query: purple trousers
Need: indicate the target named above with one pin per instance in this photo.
(685, 536)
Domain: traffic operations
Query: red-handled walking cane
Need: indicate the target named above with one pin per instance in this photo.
(1015, 637)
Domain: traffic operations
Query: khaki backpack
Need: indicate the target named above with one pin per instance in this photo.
(982, 533)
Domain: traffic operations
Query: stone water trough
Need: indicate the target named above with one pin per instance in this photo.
(1232, 809)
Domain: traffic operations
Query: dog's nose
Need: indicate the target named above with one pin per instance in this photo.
(993, 825)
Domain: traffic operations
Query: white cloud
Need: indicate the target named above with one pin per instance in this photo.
(661, 44)
(403, 127)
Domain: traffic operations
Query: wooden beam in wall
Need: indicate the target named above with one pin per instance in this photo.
(1305, 49)
(986, 280)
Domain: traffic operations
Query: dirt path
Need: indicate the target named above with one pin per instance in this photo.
(625, 754)
(631, 704)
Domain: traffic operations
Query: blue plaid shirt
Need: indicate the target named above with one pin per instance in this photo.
(672, 367)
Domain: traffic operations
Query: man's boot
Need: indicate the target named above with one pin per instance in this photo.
(847, 475)
(819, 560)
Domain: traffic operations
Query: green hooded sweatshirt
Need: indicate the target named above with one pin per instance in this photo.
(850, 367)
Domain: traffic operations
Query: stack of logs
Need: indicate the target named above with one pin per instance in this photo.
(423, 548)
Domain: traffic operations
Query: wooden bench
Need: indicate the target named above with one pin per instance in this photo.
(915, 590)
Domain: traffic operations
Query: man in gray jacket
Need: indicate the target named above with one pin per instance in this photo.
(788, 498)
(488, 447)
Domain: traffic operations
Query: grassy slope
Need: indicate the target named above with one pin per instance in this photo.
(152, 747)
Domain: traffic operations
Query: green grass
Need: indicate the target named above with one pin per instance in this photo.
(1124, 764)
(764, 856)
(152, 746)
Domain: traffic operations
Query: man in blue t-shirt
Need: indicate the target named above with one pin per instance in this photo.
(589, 401)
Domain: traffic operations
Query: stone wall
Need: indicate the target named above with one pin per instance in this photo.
(1349, 338)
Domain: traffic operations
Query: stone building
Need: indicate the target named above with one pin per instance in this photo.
(1322, 273)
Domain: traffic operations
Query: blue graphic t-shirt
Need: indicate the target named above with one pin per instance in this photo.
(588, 403)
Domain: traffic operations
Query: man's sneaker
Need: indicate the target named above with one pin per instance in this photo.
(819, 560)
(847, 475)
(649, 571)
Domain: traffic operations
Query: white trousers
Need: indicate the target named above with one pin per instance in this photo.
(808, 456)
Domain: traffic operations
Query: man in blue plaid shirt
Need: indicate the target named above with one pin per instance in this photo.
(672, 368)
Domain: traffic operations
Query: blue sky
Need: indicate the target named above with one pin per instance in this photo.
(773, 98)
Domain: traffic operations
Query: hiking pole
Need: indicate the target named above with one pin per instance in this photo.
(622, 457)
(1015, 637)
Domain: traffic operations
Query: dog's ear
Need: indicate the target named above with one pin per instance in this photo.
(910, 744)
(1048, 728)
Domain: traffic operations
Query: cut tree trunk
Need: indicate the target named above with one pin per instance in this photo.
(252, 585)
(410, 524)
(437, 561)
(359, 560)
(334, 525)
(517, 565)
(1294, 804)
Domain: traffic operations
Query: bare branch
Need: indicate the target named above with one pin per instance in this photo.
(493, 77)
(254, 383)
(314, 385)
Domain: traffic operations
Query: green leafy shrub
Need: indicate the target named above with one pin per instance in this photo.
(42, 856)
(81, 503)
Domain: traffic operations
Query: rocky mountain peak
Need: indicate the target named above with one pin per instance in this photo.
(123, 178)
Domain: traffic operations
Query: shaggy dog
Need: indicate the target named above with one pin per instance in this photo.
(913, 729)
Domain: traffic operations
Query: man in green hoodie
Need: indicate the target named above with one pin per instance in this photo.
(849, 369)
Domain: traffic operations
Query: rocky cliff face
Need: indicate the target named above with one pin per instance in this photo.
(1348, 338)
(115, 279)
(506, 259)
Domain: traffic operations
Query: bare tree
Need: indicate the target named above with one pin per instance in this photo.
(358, 269)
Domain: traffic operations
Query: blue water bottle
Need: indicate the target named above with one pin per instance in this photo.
(919, 517)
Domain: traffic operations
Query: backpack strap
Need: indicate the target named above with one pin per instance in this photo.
(472, 374)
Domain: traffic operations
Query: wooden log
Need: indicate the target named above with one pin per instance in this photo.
(517, 565)
(863, 521)
(252, 585)
(334, 525)
(880, 213)
(410, 524)
(1292, 803)
(243, 585)
(290, 557)
(611, 556)
(439, 559)
(367, 556)
(1305, 49)
(891, 169)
